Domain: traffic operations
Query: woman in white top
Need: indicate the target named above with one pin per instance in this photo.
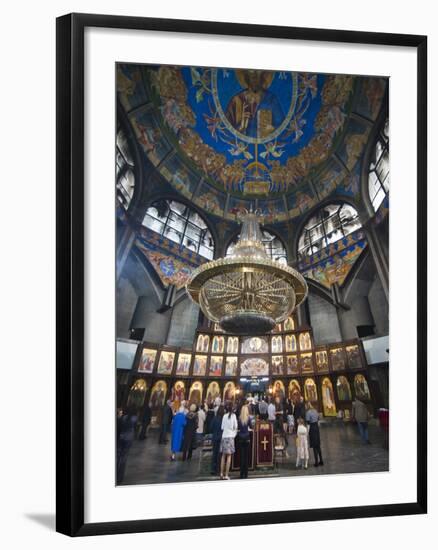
(229, 431)
(302, 444)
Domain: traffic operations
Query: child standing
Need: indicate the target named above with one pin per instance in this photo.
(302, 444)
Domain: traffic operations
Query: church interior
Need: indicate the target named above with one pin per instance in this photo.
(272, 182)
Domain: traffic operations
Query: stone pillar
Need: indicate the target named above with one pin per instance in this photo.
(124, 248)
(379, 256)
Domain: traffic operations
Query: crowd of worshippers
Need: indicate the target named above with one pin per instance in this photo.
(225, 425)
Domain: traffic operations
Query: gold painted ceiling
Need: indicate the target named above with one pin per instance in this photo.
(227, 139)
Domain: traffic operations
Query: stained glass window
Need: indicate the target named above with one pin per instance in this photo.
(124, 171)
(330, 224)
(378, 174)
(179, 223)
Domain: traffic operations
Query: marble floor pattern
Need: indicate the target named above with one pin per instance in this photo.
(342, 450)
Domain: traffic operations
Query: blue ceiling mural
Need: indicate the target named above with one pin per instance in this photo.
(228, 138)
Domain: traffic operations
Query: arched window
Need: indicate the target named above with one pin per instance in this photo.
(124, 170)
(378, 174)
(180, 224)
(273, 246)
(330, 224)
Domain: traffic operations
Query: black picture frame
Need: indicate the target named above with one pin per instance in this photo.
(70, 272)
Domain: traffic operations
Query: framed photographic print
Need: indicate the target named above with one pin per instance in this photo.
(224, 189)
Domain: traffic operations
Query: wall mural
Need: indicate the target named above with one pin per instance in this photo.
(248, 134)
(173, 263)
(333, 264)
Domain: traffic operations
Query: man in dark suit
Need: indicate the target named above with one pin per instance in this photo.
(166, 420)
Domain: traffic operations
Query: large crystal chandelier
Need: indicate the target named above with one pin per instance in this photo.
(247, 292)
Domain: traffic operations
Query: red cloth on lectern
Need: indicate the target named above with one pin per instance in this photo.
(264, 444)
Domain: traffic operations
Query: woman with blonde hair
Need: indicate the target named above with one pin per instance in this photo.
(244, 440)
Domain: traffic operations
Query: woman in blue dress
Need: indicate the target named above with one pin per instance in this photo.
(178, 423)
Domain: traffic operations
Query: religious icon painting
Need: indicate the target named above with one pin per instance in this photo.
(361, 387)
(213, 391)
(338, 359)
(147, 360)
(292, 364)
(321, 360)
(310, 391)
(200, 343)
(229, 391)
(233, 344)
(254, 366)
(277, 364)
(165, 364)
(303, 159)
(218, 344)
(290, 342)
(277, 344)
(158, 395)
(354, 357)
(294, 390)
(343, 389)
(289, 324)
(231, 366)
(305, 362)
(200, 365)
(305, 341)
(195, 394)
(216, 363)
(137, 393)
(183, 364)
(278, 389)
(177, 395)
(255, 344)
(328, 397)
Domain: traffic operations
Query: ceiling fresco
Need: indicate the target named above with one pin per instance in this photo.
(228, 138)
(333, 264)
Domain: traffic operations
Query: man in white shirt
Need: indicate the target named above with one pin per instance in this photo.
(271, 411)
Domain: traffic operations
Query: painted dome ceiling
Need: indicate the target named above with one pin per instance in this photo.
(230, 138)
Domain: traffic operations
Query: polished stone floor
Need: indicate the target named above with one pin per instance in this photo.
(343, 452)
